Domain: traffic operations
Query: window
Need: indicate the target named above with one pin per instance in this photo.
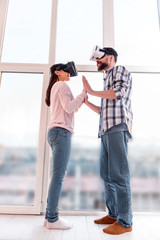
(20, 104)
(33, 36)
(27, 31)
(137, 35)
(79, 29)
(144, 152)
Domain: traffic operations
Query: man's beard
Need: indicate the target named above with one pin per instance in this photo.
(102, 66)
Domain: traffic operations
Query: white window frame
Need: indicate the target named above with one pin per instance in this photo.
(42, 167)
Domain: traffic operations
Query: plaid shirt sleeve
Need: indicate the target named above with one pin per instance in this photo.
(121, 83)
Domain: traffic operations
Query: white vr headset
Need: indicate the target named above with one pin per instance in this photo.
(98, 53)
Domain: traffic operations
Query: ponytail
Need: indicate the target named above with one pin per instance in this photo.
(52, 81)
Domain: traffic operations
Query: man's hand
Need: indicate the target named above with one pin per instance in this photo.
(86, 85)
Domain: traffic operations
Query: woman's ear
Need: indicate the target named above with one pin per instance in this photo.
(56, 72)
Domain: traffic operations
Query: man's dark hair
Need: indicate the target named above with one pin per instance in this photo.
(110, 51)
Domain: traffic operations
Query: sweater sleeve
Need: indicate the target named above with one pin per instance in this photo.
(69, 105)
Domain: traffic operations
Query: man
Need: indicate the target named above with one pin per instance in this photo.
(114, 131)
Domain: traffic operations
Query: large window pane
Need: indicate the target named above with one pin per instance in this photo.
(20, 102)
(137, 36)
(144, 154)
(27, 31)
(79, 29)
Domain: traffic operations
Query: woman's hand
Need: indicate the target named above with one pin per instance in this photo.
(86, 100)
(86, 86)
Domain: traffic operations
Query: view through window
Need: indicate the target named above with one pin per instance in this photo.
(20, 102)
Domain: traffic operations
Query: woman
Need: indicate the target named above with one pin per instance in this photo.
(60, 129)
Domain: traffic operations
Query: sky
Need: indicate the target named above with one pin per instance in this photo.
(79, 28)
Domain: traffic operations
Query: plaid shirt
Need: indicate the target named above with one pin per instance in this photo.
(116, 111)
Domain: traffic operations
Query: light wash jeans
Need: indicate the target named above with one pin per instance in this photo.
(114, 170)
(60, 141)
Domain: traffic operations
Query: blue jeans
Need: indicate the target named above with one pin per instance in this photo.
(60, 141)
(114, 170)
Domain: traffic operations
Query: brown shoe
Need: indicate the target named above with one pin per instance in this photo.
(116, 229)
(105, 220)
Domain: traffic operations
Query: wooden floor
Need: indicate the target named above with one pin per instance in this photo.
(20, 227)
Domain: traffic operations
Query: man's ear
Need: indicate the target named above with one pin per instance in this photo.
(111, 57)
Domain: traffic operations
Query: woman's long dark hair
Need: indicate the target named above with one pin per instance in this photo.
(52, 81)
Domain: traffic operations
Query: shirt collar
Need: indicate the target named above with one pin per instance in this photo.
(106, 73)
(108, 70)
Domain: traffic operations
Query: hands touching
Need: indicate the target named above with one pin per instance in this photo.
(86, 86)
(86, 100)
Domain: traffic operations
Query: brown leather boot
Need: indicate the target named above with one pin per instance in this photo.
(105, 220)
(116, 229)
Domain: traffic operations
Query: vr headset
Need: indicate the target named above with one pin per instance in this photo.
(68, 67)
(99, 53)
